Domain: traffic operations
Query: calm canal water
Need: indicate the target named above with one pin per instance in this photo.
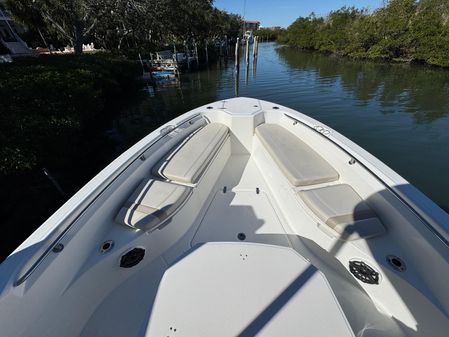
(398, 112)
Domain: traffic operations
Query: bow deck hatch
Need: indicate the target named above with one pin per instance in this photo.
(245, 289)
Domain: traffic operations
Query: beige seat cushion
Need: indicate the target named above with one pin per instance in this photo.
(343, 210)
(151, 203)
(190, 160)
(300, 164)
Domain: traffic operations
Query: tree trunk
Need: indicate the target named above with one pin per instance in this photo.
(44, 40)
(79, 38)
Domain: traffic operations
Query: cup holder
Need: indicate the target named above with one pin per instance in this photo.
(106, 246)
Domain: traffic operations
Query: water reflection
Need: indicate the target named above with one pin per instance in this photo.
(418, 90)
(251, 62)
(254, 68)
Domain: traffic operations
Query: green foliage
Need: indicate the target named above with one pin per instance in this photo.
(269, 34)
(53, 105)
(221, 23)
(402, 29)
(124, 24)
(71, 20)
(304, 32)
(430, 29)
(336, 32)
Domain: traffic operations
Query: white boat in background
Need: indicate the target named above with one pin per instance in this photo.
(239, 218)
(248, 36)
(164, 61)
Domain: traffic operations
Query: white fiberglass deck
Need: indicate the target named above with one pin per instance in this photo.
(257, 286)
(241, 206)
(247, 213)
(247, 217)
(235, 289)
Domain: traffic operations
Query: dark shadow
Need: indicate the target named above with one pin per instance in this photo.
(270, 311)
(423, 248)
(408, 286)
(110, 315)
(368, 320)
(14, 263)
(349, 292)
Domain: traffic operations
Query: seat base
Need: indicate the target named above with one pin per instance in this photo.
(151, 203)
(189, 160)
(344, 211)
(299, 162)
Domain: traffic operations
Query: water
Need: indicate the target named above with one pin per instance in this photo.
(398, 112)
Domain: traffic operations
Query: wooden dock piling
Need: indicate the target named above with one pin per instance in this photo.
(196, 52)
(186, 50)
(237, 56)
(236, 84)
(247, 51)
(255, 47)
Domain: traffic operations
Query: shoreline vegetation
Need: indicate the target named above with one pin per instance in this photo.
(54, 121)
(58, 115)
(126, 26)
(53, 102)
(65, 97)
(401, 31)
(57, 110)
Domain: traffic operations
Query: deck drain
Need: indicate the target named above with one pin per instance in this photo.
(363, 272)
(276, 108)
(106, 246)
(396, 263)
(241, 236)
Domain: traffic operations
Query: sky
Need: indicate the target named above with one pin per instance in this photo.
(284, 12)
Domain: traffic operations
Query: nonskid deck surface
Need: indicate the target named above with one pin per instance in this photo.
(240, 220)
(245, 289)
(241, 204)
(241, 209)
(241, 215)
(256, 226)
